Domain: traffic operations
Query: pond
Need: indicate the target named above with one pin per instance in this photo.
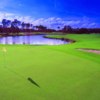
(32, 40)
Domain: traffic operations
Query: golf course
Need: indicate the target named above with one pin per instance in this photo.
(61, 72)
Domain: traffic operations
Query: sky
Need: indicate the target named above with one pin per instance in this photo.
(53, 13)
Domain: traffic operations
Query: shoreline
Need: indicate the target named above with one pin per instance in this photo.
(63, 39)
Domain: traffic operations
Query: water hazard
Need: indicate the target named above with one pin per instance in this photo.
(32, 40)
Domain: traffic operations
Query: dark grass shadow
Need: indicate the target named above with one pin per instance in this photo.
(33, 82)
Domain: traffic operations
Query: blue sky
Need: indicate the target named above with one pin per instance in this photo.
(77, 13)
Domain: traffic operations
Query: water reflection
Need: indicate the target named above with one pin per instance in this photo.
(33, 39)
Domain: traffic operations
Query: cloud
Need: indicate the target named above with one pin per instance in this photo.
(12, 16)
(55, 22)
(52, 22)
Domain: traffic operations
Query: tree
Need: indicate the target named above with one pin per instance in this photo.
(41, 28)
(67, 29)
(15, 23)
(23, 25)
(4, 23)
(58, 27)
(28, 25)
(15, 26)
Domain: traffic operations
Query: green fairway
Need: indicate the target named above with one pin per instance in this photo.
(63, 72)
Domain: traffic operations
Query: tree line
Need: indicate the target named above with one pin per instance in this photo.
(16, 27)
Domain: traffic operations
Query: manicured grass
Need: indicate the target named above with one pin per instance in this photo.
(62, 72)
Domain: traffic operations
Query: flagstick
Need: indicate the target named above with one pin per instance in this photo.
(5, 64)
(4, 51)
(21, 76)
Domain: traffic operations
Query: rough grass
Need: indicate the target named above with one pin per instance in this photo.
(62, 72)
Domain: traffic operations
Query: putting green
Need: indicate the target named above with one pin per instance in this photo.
(62, 72)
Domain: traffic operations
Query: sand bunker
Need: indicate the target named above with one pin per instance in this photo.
(90, 50)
